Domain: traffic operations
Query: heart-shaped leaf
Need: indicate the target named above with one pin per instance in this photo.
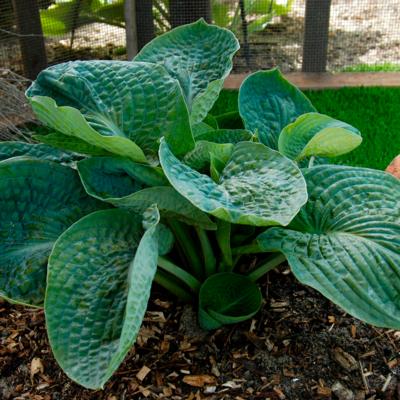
(40, 151)
(138, 102)
(258, 186)
(100, 275)
(122, 183)
(39, 199)
(316, 134)
(268, 102)
(238, 299)
(346, 241)
(199, 56)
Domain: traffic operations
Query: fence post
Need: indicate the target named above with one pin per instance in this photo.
(185, 11)
(31, 37)
(315, 46)
(144, 22)
(130, 28)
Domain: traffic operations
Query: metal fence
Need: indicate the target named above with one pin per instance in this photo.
(313, 35)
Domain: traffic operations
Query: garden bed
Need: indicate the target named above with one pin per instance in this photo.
(299, 346)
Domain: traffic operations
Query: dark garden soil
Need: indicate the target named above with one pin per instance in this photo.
(300, 346)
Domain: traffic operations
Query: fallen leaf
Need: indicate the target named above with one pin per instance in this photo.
(36, 367)
(199, 380)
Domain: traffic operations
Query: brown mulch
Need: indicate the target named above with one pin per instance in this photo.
(300, 346)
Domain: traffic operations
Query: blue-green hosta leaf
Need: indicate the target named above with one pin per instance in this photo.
(268, 102)
(199, 55)
(166, 240)
(39, 199)
(100, 275)
(70, 143)
(225, 136)
(204, 101)
(170, 203)
(258, 186)
(346, 241)
(200, 128)
(211, 120)
(314, 134)
(114, 177)
(138, 102)
(70, 121)
(40, 151)
(216, 168)
(122, 183)
(237, 299)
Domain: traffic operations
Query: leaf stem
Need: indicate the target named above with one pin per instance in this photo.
(311, 162)
(164, 280)
(247, 249)
(210, 262)
(179, 273)
(183, 237)
(223, 235)
(266, 267)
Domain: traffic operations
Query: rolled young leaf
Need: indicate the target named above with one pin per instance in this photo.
(346, 241)
(258, 186)
(138, 102)
(199, 56)
(268, 102)
(200, 157)
(40, 151)
(227, 298)
(39, 199)
(100, 275)
(123, 184)
(314, 134)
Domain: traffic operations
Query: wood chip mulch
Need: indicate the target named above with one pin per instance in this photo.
(299, 346)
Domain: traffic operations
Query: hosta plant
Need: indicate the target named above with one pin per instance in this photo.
(136, 183)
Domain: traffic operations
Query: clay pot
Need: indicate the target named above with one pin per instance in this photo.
(394, 167)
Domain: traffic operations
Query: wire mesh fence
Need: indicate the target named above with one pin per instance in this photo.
(363, 34)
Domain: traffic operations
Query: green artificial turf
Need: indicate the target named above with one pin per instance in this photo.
(374, 111)
(386, 67)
